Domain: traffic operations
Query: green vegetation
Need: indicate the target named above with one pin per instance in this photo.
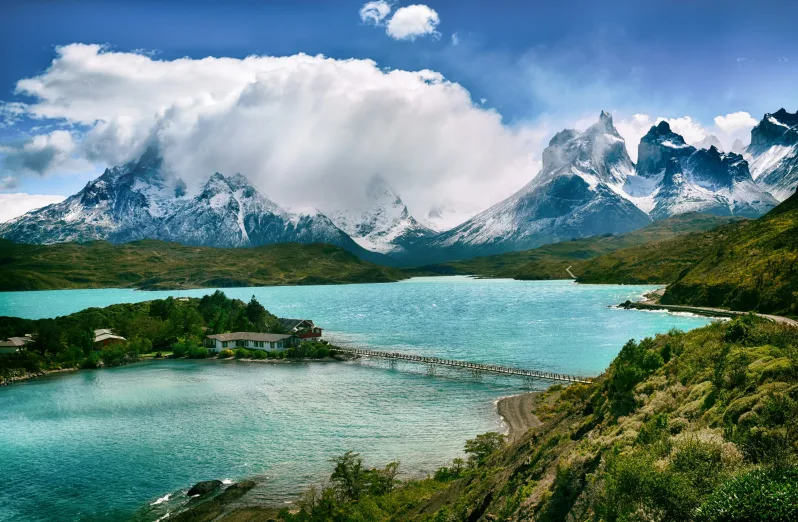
(696, 426)
(550, 261)
(750, 265)
(153, 327)
(155, 265)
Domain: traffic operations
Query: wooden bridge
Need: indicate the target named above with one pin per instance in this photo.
(476, 368)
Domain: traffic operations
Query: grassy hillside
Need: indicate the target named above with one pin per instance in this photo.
(550, 261)
(157, 265)
(750, 265)
(699, 426)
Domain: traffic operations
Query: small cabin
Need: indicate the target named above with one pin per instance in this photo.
(104, 337)
(302, 328)
(14, 344)
(268, 342)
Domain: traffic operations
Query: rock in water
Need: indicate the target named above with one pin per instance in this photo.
(204, 487)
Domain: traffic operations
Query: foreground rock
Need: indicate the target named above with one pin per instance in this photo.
(204, 487)
(201, 510)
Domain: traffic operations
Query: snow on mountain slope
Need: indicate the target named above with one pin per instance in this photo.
(576, 194)
(679, 178)
(123, 204)
(384, 224)
(443, 218)
(773, 153)
(142, 201)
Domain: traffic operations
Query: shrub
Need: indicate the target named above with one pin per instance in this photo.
(226, 354)
(760, 495)
(243, 353)
(483, 446)
(197, 352)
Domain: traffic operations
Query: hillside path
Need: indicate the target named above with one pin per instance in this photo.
(652, 304)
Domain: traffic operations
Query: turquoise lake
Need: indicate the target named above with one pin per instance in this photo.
(108, 444)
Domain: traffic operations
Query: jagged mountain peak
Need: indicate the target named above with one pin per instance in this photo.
(604, 125)
(382, 223)
(597, 155)
(738, 147)
(773, 153)
(710, 140)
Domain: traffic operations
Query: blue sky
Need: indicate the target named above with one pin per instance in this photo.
(540, 64)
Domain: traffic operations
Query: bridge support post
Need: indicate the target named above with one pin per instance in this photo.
(431, 369)
(476, 375)
(392, 363)
(529, 382)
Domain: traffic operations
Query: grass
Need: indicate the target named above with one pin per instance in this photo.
(156, 265)
(749, 265)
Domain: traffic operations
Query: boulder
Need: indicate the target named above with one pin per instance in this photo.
(204, 487)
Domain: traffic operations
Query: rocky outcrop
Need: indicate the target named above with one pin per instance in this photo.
(204, 487)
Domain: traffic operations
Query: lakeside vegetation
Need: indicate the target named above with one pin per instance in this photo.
(157, 265)
(698, 426)
(550, 261)
(160, 328)
(748, 266)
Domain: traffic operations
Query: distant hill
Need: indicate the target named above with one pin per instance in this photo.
(550, 261)
(750, 265)
(156, 265)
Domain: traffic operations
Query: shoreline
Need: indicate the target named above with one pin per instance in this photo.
(29, 376)
(516, 414)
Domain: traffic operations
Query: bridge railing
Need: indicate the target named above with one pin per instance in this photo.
(492, 368)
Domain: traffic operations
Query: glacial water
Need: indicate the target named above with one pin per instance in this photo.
(99, 445)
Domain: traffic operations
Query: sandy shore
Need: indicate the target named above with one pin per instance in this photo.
(516, 411)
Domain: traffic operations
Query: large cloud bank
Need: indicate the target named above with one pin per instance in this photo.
(307, 130)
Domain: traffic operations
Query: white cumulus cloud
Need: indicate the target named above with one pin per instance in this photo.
(13, 205)
(408, 23)
(735, 121)
(306, 130)
(374, 12)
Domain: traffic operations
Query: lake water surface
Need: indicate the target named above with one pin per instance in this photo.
(98, 445)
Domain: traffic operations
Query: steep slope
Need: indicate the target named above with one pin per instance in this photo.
(142, 200)
(773, 153)
(383, 224)
(750, 265)
(576, 194)
(679, 178)
(155, 265)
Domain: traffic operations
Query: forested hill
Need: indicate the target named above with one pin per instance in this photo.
(157, 265)
(750, 265)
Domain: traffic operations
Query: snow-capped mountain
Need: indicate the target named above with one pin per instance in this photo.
(738, 147)
(673, 177)
(383, 224)
(773, 153)
(141, 201)
(443, 218)
(709, 141)
(576, 194)
(123, 204)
